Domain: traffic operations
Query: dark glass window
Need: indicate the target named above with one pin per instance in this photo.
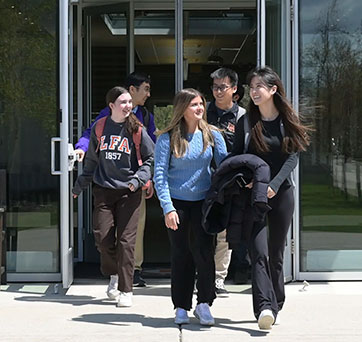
(28, 101)
(331, 101)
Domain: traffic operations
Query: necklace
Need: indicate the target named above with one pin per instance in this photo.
(271, 118)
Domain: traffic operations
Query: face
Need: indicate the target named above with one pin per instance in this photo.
(140, 94)
(194, 111)
(223, 91)
(122, 107)
(259, 92)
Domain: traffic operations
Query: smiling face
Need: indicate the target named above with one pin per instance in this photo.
(223, 92)
(140, 93)
(121, 108)
(260, 93)
(195, 111)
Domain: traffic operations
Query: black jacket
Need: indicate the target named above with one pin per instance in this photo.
(227, 121)
(229, 205)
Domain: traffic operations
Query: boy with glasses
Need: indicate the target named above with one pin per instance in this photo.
(223, 113)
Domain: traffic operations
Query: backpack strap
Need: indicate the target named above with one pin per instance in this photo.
(137, 142)
(99, 130)
(240, 113)
(146, 116)
(247, 132)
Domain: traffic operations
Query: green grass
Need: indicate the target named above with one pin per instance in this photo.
(322, 199)
(344, 229)
(319, 199)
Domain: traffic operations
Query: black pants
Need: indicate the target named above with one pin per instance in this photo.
(279, 220)
(191, 249)
(115, 219)
(266, 253)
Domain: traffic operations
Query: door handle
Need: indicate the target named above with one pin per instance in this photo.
(52, 156)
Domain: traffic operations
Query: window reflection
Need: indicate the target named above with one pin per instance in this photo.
(331, 100)
(28, 54)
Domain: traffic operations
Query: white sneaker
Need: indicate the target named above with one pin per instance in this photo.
(112, 289)
(220, 288)
(124, 299)
(203, 314)
(266, 319)
(277, 320)
(181, 316)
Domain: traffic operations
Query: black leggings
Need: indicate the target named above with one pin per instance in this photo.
(267, 253)
(191, 249)
(279, 220)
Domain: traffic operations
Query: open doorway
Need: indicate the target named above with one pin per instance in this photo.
(224, 36)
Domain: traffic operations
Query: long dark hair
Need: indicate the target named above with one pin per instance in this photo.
(296, 137)
(131, 123)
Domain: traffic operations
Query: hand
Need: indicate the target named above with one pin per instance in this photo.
(131, 187)
(149, 191)
(250, 185)
(271, 193)
(79, 154)
(171, 220)
(75, 196)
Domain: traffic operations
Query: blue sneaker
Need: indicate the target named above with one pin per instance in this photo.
(181, 316)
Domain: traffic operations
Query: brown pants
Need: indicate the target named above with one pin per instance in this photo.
(115, 219)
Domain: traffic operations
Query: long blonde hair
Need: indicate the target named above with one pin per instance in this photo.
(178, 128)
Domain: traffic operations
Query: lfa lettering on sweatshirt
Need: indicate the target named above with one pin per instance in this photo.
(116, 143)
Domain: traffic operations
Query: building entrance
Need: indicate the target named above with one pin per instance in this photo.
(178, 47)
(212, 38)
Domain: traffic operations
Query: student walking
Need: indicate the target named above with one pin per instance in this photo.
(271, 130)
(183, 154)
(139, 86)
(224, 113)
(118, 171)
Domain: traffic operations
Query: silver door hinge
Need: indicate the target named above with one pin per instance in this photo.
(292, 246)
(291, 12)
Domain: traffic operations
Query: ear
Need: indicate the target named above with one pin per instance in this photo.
(111, 105)
(132, 89)
(273, 89)
(235, 88)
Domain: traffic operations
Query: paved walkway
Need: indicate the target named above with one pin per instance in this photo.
(323, 312)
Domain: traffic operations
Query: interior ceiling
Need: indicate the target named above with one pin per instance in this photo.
(170, 4)
(160, 49)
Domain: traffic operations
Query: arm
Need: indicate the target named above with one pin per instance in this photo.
(284, 172)
(143, 173)
(220, 151)
(91, 162)
(162, 161)
(83, 142)
(151, 128)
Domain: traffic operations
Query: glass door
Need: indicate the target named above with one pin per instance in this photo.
(330, 80)
(273, 38)
(28, 119)
(104, 55)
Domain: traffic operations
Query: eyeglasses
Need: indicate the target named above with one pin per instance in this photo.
(222, 88)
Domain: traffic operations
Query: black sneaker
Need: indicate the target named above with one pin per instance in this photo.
(138, 281)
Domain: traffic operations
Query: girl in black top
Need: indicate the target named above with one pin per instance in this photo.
(276, 136)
